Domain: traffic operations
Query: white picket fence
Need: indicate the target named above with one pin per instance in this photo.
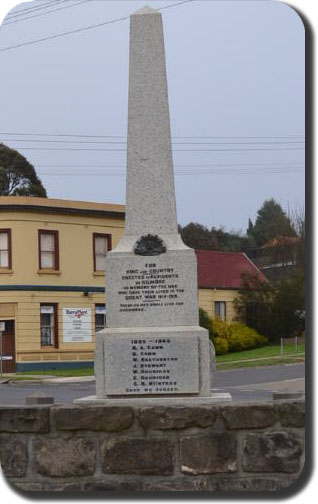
(288, 341)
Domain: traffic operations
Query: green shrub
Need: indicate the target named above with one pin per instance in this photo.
(221, 346)
(220, 328)
(205, 321)
(243, 337)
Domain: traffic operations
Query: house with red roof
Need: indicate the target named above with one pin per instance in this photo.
(280, 257)
(219, 279)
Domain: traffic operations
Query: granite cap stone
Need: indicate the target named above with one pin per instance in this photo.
(145, 10)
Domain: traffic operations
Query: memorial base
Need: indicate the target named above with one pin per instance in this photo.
(154, 362)
(157, 401)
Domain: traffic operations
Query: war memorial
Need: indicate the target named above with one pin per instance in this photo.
(153, 345)
(154, 424)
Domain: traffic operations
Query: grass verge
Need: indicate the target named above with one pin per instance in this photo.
(269, 362)
(268, 355)
(22, 378)
(59, 372)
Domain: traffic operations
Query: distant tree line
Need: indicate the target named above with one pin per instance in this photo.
(200, 237)
(271, 222)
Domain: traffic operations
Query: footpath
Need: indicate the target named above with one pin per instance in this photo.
(12, 378)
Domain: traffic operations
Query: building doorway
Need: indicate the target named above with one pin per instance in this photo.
(8, 348)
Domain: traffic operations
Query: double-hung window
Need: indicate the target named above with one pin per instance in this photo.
(5, 249)
(48, 250)
(100, 317)
(101, 244)
(220, 309)
(49, 334)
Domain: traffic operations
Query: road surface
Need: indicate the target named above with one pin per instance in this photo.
(250, 384)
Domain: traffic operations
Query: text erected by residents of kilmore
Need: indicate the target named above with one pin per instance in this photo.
(151, 365)
(149, 287)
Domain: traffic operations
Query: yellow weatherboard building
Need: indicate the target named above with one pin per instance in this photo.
(52, 272)
(52, 275)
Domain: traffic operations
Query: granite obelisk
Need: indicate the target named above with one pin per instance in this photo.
(149, 156)
(153, 346)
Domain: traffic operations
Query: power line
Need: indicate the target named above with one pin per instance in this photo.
(71, 32)
(247, 136)
(238, 150)
(63, 141)
(78, 30)
(124, 143)
(178, 168)
(220, 165)
(196, 172)
(175, 150)
(45, 13)
(177, 173)
(176, 4)
(237, 143)
(63, 135)
(34, 8)
(124, 136)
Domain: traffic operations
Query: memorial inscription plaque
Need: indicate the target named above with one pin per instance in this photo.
(151, 365)
(152, 291)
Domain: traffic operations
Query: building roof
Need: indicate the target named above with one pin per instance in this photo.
(223, 270)
(281, 240)
(50, 205)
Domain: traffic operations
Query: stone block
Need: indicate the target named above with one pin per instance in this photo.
(164, 418)
(256, 416)
(113, 485)
(22, 419)
(13, 456)
(215, 453)
(181, 485)
(276, 452)
(64, 487)
(292, 414)
(39, 398)
(28, 487)
(98, 418)
(64, 457)
(246, 484)
(285, 395)
(137, 456)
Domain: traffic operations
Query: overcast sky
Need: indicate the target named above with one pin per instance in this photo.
(236, 89)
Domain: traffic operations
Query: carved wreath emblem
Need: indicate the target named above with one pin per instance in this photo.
(150, 245)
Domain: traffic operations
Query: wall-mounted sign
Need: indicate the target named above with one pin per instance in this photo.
(77, 325)
(47, 309)
(101, 309)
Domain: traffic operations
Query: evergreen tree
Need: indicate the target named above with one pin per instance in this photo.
(198, 237)
(271, 222)
(17, 175)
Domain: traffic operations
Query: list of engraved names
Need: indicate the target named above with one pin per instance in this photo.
(152, 363)
(149, 287)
